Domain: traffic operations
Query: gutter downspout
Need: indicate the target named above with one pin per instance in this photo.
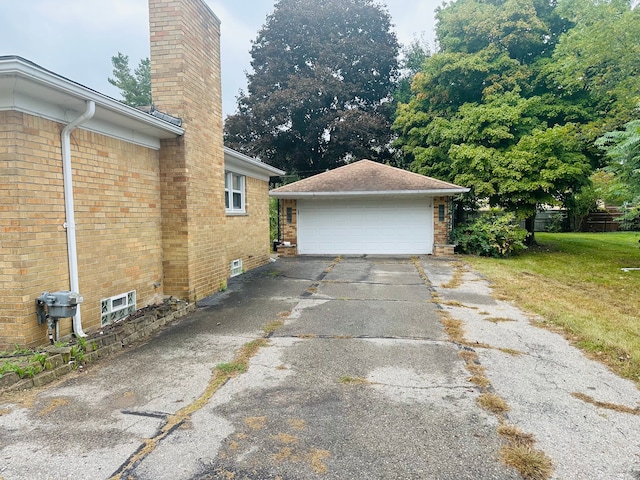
(70, 223)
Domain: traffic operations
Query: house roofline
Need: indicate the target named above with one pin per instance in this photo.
(249, 165)
(19, 74)
(371, 193)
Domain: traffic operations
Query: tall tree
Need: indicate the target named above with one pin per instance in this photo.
(135, 87)
(412, 58)
(320, 91)
(484, 114)
(600, 57)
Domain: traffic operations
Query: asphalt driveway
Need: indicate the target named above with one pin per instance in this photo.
(358, 381)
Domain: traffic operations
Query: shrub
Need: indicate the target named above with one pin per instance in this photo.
(630, 220)
(492, 235)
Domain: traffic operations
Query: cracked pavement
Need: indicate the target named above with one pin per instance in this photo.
(359, 380)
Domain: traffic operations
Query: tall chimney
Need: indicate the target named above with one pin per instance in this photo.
(185, 82)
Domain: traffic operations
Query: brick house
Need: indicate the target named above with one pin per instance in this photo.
(366, 208)
(120, 204)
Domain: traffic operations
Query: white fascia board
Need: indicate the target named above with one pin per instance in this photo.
(244, 165)
(55, 113)
(26, 87)
(381, 193)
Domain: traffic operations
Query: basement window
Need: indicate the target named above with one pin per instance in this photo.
(117, 307)
(236, 267)
(234, 192)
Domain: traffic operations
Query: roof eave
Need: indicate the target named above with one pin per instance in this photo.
(372, 193)
(249, 165)
(22, 68)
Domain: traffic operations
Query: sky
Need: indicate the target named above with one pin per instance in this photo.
(77, 38)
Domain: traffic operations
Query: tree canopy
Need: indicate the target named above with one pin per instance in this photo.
(623, 149)
(320, 91)
(135, 87)
(513, 100)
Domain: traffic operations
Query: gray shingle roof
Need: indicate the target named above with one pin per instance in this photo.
(365, 177)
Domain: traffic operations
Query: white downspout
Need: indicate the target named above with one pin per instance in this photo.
(70, 223)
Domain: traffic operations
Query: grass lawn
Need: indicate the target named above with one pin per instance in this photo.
(575, 282)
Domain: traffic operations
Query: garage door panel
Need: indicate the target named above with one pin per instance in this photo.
(365, 226)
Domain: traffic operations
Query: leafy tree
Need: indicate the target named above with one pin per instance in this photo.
(135, 87)
(623, 150)
(320, 91)
(600, 57)
(413, 57)
(484, 112)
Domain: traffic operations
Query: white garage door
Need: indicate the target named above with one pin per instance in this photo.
(365, 226)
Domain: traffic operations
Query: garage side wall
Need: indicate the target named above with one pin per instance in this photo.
(288, 226)
(442, 226)
(118, 222)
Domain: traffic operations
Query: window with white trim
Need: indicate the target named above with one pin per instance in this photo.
(234, 192)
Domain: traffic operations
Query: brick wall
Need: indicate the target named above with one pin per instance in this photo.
(442, 228)
(199, 239)
(247, 236)
(142, 216)
(185, 73)
(289, 231)
(117, 205)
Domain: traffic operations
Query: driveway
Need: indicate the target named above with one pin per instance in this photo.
(358, 380)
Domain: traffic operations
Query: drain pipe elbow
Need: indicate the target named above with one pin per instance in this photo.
(70, 222)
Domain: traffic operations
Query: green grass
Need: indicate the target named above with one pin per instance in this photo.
(575, 282)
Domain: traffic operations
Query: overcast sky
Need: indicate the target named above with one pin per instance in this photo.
(77, 38)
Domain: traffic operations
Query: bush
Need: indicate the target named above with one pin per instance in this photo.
(630, 220)
(491, 235)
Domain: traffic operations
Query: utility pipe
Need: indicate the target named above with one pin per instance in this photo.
(70, 223)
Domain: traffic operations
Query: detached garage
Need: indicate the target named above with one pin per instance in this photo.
(366, 208)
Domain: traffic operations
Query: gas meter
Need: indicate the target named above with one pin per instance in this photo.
(50, 307)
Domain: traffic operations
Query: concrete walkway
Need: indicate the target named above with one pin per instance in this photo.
(358, 381)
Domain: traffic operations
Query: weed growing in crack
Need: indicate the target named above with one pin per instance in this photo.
(606, 405)
(271, 327)
(493, 403)
(348, 380)
(515, 436)
(511, 351)
(456, 279)
(531, 463)
(232, 368)
(499, 319)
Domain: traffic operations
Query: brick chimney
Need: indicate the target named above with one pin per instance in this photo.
(185, 82)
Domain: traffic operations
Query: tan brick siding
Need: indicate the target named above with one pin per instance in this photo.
(185, 73)
(118, 216)
(142, 216)
(248, 235)
(289, 231)
(441, 229)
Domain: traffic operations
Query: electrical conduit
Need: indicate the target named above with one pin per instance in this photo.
(70, 223)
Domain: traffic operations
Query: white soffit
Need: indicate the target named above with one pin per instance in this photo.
(244, 165)
(28, 88)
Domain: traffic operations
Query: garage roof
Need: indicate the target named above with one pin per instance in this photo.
(365, 177)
